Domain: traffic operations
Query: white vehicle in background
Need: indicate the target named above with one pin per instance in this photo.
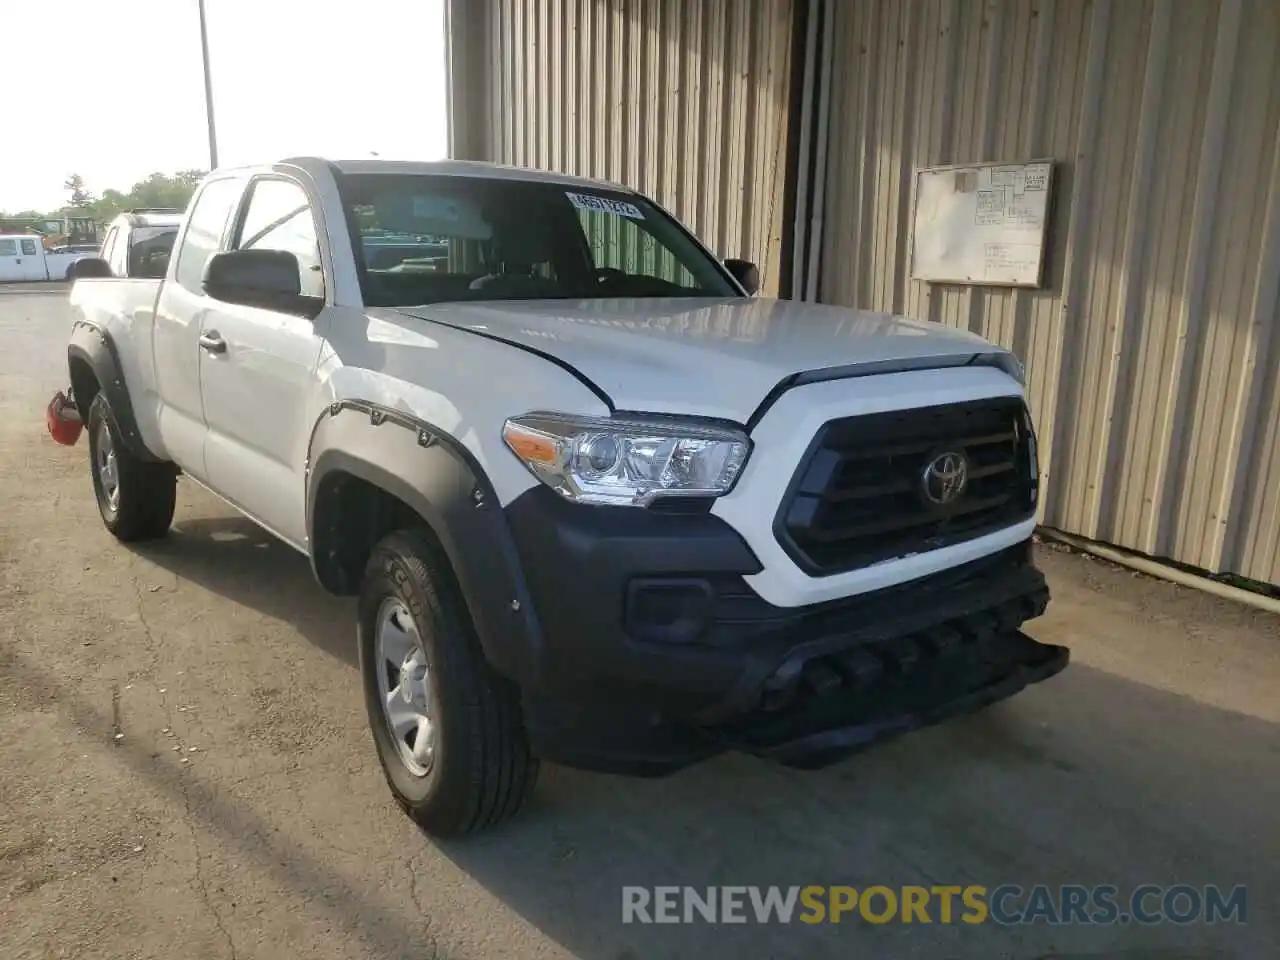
(23, 257)
(83, 249)
(136, 245)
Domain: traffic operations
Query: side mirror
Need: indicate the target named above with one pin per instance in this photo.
(746, 273)
(89, 268)
(269, 279)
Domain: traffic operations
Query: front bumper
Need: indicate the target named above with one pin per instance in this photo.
(868, 694)
(656, 653)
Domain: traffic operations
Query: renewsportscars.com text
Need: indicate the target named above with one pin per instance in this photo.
(1006, 904)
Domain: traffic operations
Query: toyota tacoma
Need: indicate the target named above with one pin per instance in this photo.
(600, 503)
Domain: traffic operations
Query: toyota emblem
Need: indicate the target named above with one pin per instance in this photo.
(945, 477)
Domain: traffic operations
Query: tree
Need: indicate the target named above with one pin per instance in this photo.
(110, 204)
(157, 190)
(80, 197)
(160, 190)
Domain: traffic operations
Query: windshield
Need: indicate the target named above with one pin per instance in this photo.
(426, 239)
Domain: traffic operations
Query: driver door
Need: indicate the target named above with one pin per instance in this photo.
(257, 369)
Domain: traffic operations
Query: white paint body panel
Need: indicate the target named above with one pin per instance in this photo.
(56, 265)
(702, 357)
(126, 308)
(462, 384)
(780, 441)
(178, 404)
(255, 401)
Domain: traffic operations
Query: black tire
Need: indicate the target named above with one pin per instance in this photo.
(147, 491)
(481, 770)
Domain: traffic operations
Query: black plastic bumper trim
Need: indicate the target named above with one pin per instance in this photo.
(820, 748)
(608, 696)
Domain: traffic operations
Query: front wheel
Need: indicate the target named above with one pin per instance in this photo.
(135, 497)
(448, 729)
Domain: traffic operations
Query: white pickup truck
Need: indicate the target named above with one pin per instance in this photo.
(23, 257)
(600, 503)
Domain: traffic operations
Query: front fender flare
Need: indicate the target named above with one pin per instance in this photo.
(439, 479)
(95, 347)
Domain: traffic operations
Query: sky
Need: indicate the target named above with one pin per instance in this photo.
(120, 91)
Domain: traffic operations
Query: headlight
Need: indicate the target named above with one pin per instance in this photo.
(626, 461)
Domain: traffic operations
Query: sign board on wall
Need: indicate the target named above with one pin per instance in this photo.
(981, 223)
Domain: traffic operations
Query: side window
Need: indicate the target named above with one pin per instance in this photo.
(204, 230)
(28, 248)
(118, 261)
(620, 243)
(8, 247)
(109, 244)
(279, 218)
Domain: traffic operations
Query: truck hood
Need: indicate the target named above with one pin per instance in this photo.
(709, 357)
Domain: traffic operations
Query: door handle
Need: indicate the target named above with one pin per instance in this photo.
(213, 342)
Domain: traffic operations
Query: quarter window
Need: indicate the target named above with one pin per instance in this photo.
(109, 244)
(204, 231)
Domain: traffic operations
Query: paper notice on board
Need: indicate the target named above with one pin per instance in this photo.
(1004, 176)
(1037, 177)
(1004, 260)
(991, 207)
(1022, 213)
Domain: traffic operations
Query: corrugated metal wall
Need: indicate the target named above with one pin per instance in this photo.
(1154, 355)
(686, 100)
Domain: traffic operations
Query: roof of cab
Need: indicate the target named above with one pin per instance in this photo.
(152, 218)
(451, 168)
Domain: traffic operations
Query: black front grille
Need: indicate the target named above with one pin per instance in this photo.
(860, 496)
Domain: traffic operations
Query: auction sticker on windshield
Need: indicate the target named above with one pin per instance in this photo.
(584, 201)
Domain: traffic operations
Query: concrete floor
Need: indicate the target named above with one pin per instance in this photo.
(1155, 758)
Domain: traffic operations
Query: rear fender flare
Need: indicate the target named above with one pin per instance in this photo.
(94, 346)
(440, 480)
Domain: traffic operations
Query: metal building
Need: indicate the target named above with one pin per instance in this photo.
(789, 132)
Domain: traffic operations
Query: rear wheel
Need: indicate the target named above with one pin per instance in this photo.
(448, 729)
(135, 497)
